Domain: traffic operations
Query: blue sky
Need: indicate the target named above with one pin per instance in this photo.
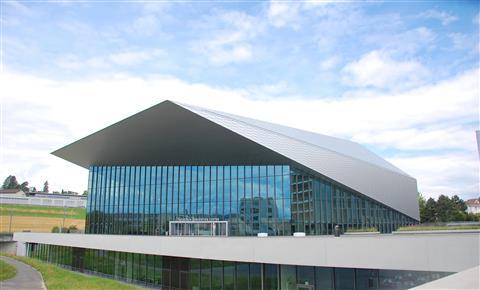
(400, 77)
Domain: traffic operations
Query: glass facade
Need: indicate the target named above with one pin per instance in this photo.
(167, 272)
(273, 199)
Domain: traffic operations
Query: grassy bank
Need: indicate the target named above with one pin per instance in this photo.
(362, 230)
(438, 228)
(58, 278)
(6, 271)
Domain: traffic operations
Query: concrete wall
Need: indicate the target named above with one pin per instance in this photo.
(451, 252)
(8, 247)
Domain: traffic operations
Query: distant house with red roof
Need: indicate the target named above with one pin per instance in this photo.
(473, 205)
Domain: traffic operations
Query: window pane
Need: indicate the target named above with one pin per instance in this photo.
(344, 279)
(323, 278)
(288, 278)
(366, 279)
(270, 277)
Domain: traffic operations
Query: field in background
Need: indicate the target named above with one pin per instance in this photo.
(17, 218)
(41, 211)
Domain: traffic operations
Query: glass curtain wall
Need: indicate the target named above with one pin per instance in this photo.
(278, 200)
(167, 272)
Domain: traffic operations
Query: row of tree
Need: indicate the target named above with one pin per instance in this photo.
(444, 209)
(12, 183)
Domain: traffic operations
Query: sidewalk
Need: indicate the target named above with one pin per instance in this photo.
(27, 278)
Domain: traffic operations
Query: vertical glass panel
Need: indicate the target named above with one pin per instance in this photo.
(270, 277)
(242, 273)
(255, 276)
(188, 190)
(194, 277)
(200, 191)
(206, 275)
(207, 192)
(366, 279)
(220, 192)
(194, 205)
(227, 192)
(181, 191)
(217, 275)
(344, 279)
(288, 277)
(323, 278)
(213, 192)
(305, 275)
(228, 275)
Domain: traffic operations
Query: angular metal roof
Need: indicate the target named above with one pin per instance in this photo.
(171, 133)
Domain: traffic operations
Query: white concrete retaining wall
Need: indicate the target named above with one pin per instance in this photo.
(451, 252)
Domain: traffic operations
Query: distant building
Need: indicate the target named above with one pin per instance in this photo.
(15, 192)
(15, 196)
(473, 205)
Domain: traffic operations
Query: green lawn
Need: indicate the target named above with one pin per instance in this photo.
(41, 211)
(7, 271)
(362, 230)
(438, 228)
(58, 278)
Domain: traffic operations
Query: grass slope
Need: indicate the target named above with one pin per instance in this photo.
(58, 278)
(7, 271)
(438, 228)
(41, 211)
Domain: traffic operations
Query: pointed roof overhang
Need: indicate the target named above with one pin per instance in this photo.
(176, 134)
(167, 134)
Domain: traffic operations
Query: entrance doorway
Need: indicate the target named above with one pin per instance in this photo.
(198, 228)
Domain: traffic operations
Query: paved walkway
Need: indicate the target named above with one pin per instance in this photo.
(27, 278)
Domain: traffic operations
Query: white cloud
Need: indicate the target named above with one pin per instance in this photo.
(281, 14)
(41, 115)
(444, 17)
(405, 42)
(330, 62)
(453, 137)
(443, 174)
(379, 69)
(229, 37)
(135, 57)
(149, 20)
(144, 25)
(123, 58)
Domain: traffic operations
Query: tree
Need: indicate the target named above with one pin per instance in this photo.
(444, 208)
(24, 187)
(430, 212)
(85, 192)
(459, 209)
(45, 186)
(422, 207)
(10, 182)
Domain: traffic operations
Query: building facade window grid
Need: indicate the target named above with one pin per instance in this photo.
(167, 272)
(278, 200)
